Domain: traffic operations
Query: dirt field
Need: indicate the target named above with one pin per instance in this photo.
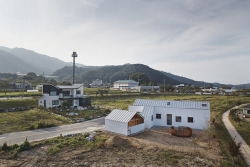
(150, 148)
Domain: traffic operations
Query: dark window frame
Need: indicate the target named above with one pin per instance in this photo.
(158, 116)
(189, 121)
(177, 118)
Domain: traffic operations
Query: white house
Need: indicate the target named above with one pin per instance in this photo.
(194, 114)
(124, 122)
(125, 85)
(246, 110)
(96, 83)
(54, 96)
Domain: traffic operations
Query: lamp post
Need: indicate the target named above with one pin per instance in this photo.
(74, 55)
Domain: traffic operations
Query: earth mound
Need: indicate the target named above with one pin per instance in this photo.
(116, 141)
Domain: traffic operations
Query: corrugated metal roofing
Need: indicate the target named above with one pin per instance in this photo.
(121, 115)
(125, 81)
(247, 106)
(173, 104)
(75, 86)
(147, 111)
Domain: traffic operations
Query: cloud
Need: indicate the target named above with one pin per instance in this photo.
(167, 35)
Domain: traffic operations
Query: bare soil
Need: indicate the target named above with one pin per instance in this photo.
(150, 148)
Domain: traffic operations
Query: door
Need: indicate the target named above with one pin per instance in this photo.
(169, 119)
(44, 103)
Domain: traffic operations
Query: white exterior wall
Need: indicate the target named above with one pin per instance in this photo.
(245, 111)
(136, 129)
(116, 127)
(200, 117)
(48, 99)
(148, 121)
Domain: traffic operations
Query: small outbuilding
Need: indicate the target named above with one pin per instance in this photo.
(124, 122)
(246, 111)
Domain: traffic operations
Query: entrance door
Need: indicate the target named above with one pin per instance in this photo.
(44, 103)
(169, 119)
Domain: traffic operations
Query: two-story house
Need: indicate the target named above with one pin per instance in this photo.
(54, 96)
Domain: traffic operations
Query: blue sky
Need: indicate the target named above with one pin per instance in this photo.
(204, 40)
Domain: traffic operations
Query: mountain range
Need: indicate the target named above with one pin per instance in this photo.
(24, 61)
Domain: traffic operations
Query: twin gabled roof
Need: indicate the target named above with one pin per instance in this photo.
(121, 115)
(173, 104)
(125, 81)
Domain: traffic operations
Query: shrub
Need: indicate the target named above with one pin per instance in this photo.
(25, 146)
(5, 147)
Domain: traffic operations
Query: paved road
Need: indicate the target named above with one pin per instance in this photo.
(244, 149)
(40, 134)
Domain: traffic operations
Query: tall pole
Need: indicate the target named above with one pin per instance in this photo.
(74, 55)
(164, 87)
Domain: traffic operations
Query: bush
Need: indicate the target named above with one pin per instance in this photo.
(25, 146)
(5, 147)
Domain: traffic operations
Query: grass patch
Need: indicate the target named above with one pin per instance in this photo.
(28, 120)
(241, 126)
(171, 157)
(17, 103)
(18, 94)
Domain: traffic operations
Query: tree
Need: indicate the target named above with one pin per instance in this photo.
(140, 77)
(5, 85)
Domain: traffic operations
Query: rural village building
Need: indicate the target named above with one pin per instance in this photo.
(125, 85)
(246, 111)
(124, 122)
(54, 96)
(193, 114)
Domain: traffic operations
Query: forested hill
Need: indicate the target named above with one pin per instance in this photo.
(112, 73)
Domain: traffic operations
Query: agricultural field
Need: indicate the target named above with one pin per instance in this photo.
(20, 94)
(28, 120)
(17, 103)
(242, 126)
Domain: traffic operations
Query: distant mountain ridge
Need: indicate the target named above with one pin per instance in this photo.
(113, 73)
(24, 61)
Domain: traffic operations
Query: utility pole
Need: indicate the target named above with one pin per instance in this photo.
(74, 55)
(164, 87)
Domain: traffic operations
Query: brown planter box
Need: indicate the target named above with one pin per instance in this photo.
(181, 131)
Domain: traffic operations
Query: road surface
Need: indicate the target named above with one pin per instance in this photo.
(244, 149)
(40, 134)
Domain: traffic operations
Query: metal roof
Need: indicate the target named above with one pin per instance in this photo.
(125, 81)
(246, 106)
(121, 115)
(173, 104)
(75, 86)
(147, 111)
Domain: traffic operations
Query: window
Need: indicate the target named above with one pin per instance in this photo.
(204, 105)
(55, 102)
(158, 116)
(78, 92)
(168, 103)
(178, 119)
(53, 93)
(190, 119)
(248, 111)
(152, 118)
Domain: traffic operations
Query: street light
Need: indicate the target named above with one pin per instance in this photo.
(74, 55)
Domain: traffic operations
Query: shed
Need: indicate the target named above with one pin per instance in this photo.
(124, 122)
(246, 110)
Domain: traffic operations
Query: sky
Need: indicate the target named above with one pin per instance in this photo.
(205, 40)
